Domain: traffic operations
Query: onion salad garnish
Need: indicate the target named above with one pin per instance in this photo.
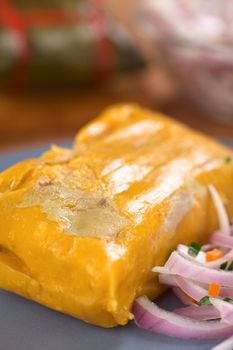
(221, 211)
(202, 278)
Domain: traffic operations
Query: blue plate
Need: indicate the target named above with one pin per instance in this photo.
(25, 325)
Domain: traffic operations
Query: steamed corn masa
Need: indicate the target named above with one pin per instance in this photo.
(81, 228)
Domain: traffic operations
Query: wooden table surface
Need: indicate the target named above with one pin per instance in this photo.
(36, 118)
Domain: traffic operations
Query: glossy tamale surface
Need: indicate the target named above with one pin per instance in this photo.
(82, 228)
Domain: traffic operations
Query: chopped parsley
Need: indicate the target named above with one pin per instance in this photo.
(228, 300)
(205, 301)
(194, 249)
(230, 267)
(223, 265)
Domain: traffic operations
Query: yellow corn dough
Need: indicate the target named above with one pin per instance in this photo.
(81, 229)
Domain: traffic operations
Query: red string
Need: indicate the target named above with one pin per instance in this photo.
(51, 17)
(104, 48)
(11, 18)
(17, 23)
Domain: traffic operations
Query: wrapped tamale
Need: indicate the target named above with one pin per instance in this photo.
(82, 228)
(60, 44)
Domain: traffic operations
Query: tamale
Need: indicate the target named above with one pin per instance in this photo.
(82, 228)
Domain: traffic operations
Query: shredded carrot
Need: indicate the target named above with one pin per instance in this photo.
(214, 289)
(214, 254)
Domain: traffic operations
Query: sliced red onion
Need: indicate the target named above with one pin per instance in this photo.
(201, 313)
(149, 316)
(190, 288)
(224, 308)
(161, 269)
(168, 280)
(183, 287)
(182, 296)
(225, 345)
(194, 290)
(178, 265)
(222, 240)
(226, 292)
(184, 273)
(221, 211)
(212, 264)
(207, 247)
(184, 251)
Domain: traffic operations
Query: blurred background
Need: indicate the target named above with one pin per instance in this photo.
(63, 61)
